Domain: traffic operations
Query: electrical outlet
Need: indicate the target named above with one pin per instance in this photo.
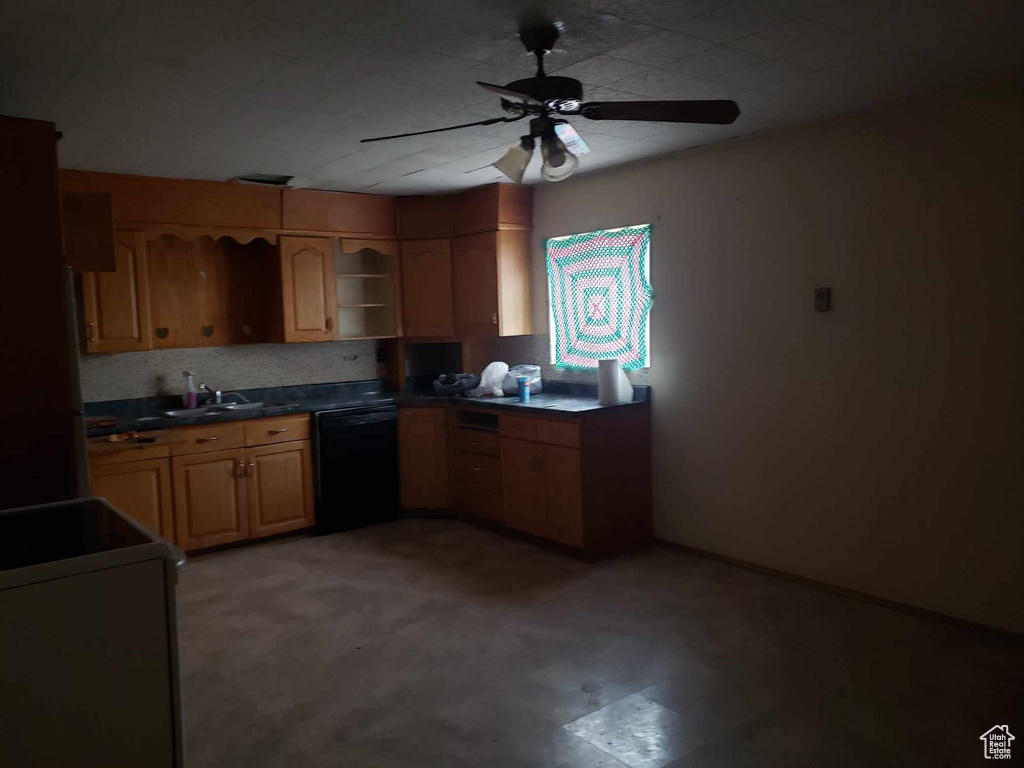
(823, 299)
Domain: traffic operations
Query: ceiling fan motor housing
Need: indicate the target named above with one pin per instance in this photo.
(549, 88)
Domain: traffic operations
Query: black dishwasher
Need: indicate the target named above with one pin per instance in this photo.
(356, 467)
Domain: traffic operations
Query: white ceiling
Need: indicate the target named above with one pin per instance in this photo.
(218, 88)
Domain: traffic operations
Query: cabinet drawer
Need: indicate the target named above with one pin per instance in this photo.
(477, 468)
(216, 437)
(102, 455)
(282, 430)
(477, 500)
(565, 433)
(477, 441)
(518, 427)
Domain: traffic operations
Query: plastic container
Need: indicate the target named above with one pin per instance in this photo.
(191, 397)
(510, 385)
(524, 388)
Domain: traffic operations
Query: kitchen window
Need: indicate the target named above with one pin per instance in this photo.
(599, 294)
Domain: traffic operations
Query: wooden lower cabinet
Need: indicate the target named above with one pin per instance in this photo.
(543, 494)
(524, 497)
(563, 488)
(280, 479)
(227, 496)
(140, 489)
(211, 498)
(423, 457)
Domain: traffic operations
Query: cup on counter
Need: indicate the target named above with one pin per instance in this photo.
(524, 388)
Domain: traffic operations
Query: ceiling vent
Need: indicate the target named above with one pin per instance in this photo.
(267, 179)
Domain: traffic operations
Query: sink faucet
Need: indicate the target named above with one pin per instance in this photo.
(215, 394)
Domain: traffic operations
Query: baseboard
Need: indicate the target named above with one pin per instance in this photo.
(913, 610)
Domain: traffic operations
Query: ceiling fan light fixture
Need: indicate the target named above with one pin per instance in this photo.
(559, 162)
(514, 162)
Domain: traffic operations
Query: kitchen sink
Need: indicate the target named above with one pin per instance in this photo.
(211, 410)
(250, 406)
(181, 413)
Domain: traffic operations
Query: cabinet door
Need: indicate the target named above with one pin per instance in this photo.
(427, 288)
(563, 494)
(423, 457)
(116, 304)
(308, 288)
(210, 499)
(475, 284)
(140, 489)
(524, 495)
(280, 488)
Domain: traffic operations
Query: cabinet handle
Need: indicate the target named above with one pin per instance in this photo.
(494, 318)
(206, 439)
(329, 322)
(239, 468)
(277, 431)
(250, 468)
(90, 334)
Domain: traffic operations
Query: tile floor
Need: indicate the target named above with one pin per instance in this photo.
(432, 643)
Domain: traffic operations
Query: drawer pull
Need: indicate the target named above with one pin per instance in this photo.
(277, 431)
(206, 439)
(476, 469)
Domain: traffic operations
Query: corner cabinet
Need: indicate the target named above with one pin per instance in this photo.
(115, 305)
(491, 279)
(308, 290)
(582, 481)
(423, 457)
(140, 489)
(427, 288)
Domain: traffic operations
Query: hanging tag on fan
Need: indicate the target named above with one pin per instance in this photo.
(572, 140)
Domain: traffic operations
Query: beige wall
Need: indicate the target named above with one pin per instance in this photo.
(879, 447)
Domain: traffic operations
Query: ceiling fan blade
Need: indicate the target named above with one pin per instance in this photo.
(492, 121)
(516, 96)
(720, 112)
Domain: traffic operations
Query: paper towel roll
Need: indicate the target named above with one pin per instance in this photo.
(613, 387)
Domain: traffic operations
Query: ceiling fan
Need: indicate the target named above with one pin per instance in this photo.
(544, 98)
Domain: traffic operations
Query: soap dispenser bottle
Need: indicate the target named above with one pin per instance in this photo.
(191, 396)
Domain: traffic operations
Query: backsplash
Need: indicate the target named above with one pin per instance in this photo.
(125, 375)
(536, 349)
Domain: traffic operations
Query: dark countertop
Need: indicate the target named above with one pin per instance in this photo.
(142, 414)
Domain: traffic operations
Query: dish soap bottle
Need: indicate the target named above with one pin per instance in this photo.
(191, 396)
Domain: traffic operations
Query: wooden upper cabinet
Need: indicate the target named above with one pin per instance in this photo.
(492, 284)
(192, 293)
(210, 498)
(280, 487)
(475, 284)
(140, 489)
(423, 216)
(87, 219)
(115, 305)
(341, 212)
(427, 288)
(189, 202)
(492, 207)
(515, 283)
(423, 457)
(308, 288)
